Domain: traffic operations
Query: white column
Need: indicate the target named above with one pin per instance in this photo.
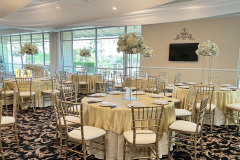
(55, 52)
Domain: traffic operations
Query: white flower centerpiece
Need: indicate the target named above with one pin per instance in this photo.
(33, 66)
(29, 49)
(207, 49)
(85, 54)
(130, 43)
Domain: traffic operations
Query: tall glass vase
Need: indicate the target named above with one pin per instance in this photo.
(203, 67)
(210, 70)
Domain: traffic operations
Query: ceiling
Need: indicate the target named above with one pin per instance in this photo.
(57, 15)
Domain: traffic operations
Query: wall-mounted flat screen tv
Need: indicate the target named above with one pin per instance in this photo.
(183, 52)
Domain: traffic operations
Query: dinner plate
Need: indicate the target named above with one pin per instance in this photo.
(156, 96)
(94, 100)
(186, 87)
(98, 95)
(179, 84)
(166, 94)
(136, 104)
(158, 101)
(138, 93)
(106, 104)
(117, 92)
(233, 88)
(225, 89)
(192, 83)
(45, 80)
(226, 85)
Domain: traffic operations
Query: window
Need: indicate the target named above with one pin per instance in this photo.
(102, 43)
(10, 47)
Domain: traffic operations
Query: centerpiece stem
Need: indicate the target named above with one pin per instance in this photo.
(203, 66)
(210, 69)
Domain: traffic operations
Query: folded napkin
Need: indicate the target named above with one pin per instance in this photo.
(159, 101)
(156, 96)
(94, 99)
(136, 104)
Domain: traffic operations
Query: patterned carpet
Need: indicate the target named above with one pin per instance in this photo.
(37, 140)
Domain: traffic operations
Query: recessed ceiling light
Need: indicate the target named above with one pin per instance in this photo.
(57, 7)
(114, 8)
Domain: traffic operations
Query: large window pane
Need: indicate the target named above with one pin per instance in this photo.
(137, 29)
(66, 36)
(67, 53)
(82, 62)
(25, 39)
(108, 57)
(47, 53)
(7, 49)
(37, 38)
(113, 32)
(15, 39)
(38, 59)
(84, 34)
(16, 55)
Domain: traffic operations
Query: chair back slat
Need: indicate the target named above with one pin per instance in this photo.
(24, 84)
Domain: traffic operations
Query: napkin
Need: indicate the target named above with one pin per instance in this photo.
(158, 101)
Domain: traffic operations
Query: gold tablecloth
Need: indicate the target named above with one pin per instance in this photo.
(92, 80)
(37, 86)
(134, 82)
(220, 98)
(119, 119)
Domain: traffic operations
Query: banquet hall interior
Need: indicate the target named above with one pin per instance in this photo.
(120, 79)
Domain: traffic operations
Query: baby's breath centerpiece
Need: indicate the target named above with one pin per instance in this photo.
(130, 43)
(85, 53)
(29, 49)
(207, 49)
(147, 52)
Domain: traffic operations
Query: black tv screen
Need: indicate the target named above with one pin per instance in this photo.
(183, 52)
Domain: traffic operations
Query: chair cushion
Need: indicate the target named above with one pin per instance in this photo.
(7, 120)
(89, 133)
(235, 106)
(185, 126)
(213, 106)
(182, 112)
(8, 92)
(141, 138)
(50, 91)
(26, 94)
(73, 120)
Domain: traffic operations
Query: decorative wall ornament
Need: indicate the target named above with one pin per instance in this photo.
(184, 35)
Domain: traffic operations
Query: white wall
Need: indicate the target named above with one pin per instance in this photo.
(225, 32)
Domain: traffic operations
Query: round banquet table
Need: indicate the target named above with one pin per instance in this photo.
(220, 99)
(38, 85)
(118, 120)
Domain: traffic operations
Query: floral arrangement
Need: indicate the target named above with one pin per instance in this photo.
(130, 43)
(29, 49)
(207, 49)
(33, 66)
(85, 53)
(147, 52)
